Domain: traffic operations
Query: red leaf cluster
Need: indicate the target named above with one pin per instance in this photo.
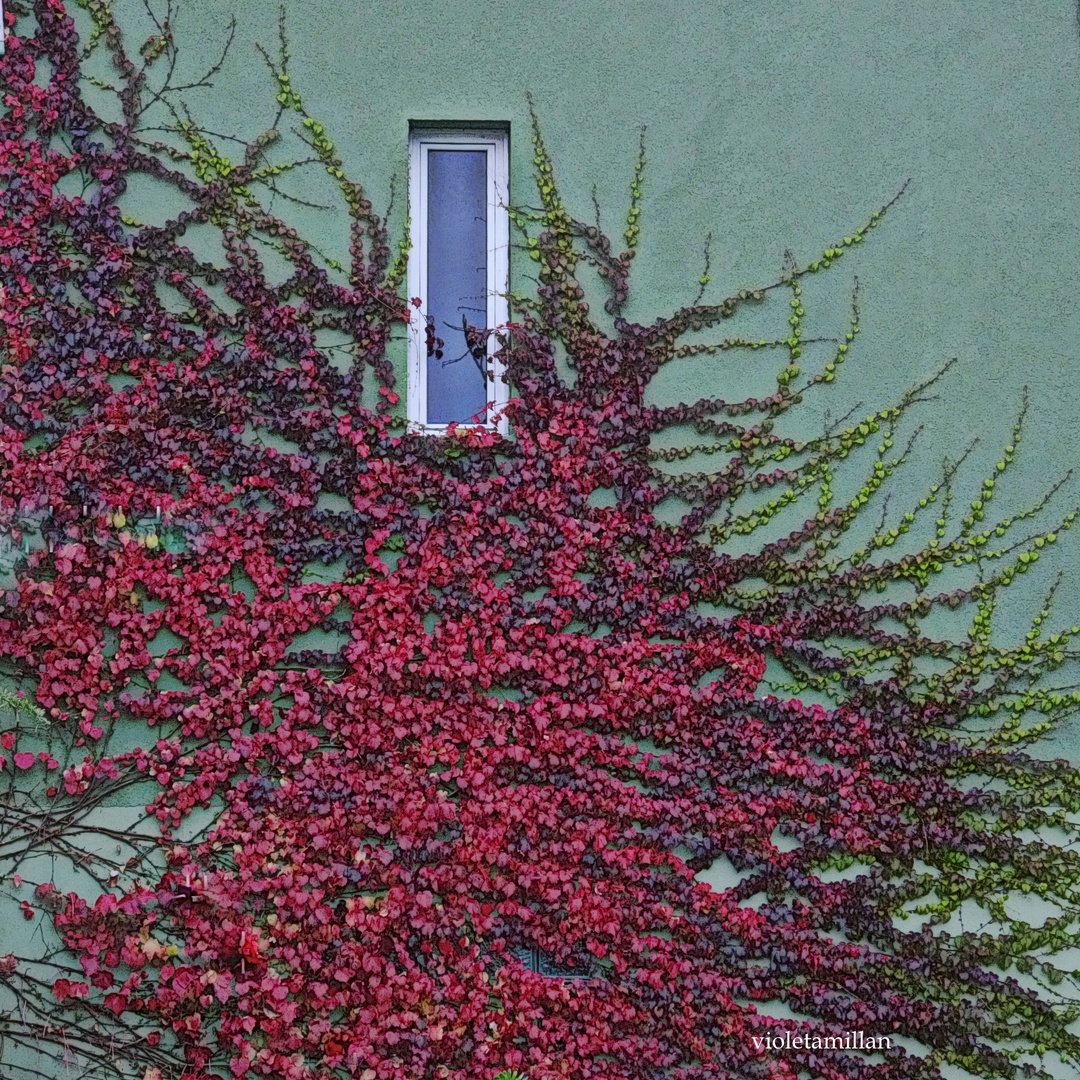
(450, 704)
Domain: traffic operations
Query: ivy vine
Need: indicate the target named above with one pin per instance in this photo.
(549, 701)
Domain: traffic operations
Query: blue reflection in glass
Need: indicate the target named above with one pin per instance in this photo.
(456, 282)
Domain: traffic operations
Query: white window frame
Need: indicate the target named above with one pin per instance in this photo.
(495, 142)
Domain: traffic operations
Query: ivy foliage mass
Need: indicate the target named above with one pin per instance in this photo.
(552, 702)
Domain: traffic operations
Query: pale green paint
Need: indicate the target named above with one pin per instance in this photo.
(773, 125)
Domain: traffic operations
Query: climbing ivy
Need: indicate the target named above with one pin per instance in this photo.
(412, 708)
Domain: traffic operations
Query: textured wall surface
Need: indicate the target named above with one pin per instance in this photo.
(773, 126)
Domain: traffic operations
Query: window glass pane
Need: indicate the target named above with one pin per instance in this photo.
(456, 281)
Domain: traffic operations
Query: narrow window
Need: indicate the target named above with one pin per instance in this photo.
(458, 196)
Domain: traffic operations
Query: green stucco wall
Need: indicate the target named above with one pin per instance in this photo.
(774, 126)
